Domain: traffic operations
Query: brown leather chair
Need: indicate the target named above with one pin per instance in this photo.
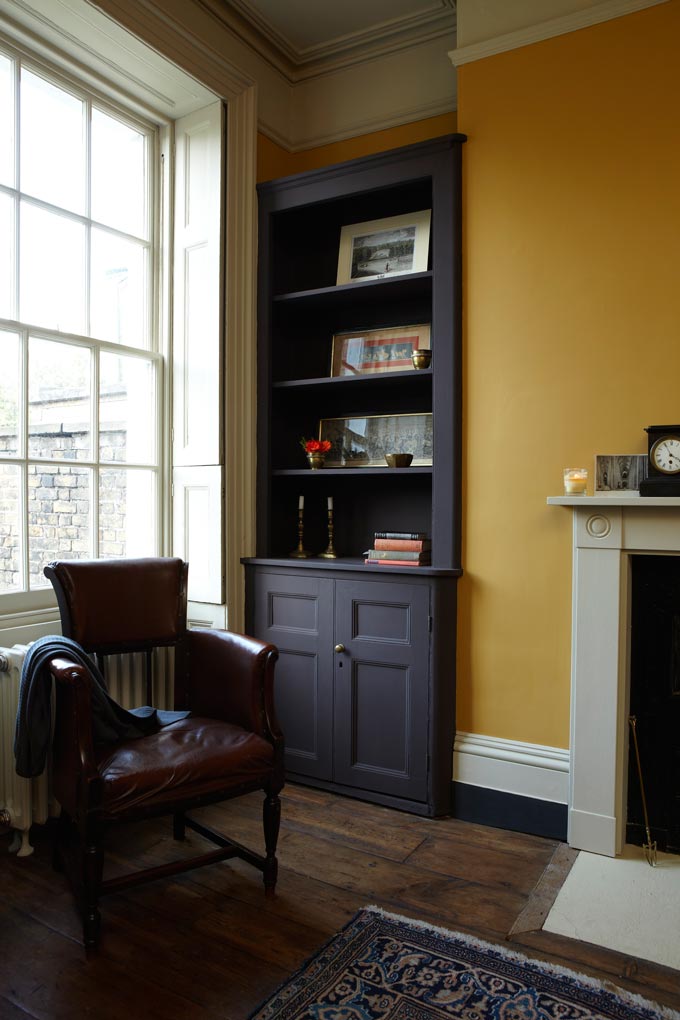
(229, 745)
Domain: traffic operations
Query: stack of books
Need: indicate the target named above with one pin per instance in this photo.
(400, 549)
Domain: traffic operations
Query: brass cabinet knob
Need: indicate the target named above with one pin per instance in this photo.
(340, 648)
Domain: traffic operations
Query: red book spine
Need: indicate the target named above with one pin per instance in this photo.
(408, 544)
(397, 563)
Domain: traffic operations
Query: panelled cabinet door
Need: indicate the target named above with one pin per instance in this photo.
(296, 615)
(382, 687)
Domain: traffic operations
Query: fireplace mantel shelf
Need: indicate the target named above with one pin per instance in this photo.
(629, 499)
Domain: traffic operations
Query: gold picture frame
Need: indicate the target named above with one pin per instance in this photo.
(369, 351)
(377, 249)
(363, 440)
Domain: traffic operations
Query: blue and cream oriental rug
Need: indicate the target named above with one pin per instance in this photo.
(384, 967)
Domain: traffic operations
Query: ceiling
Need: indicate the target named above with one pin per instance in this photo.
(309, 33)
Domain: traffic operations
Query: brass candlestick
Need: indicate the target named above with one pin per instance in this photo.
(300, 553)
(330, 553)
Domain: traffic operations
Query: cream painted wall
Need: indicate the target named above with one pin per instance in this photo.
(572, 323)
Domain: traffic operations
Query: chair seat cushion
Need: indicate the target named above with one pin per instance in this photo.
(194, 757)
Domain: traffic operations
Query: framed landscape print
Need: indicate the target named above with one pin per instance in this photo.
(384, 248)
(377, 350)
(364, 441)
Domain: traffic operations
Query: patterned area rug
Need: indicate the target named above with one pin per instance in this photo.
(384, 967)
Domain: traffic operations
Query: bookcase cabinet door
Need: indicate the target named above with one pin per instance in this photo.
(296, 614)
(381, 687)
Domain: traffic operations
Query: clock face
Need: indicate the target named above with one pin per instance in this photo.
(665, 455)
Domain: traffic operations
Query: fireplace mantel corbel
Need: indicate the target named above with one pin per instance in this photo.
(608, 529)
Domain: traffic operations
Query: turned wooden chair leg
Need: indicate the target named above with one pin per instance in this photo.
(271, 816)
(93, 863)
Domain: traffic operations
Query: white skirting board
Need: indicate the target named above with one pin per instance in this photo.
(510, 766)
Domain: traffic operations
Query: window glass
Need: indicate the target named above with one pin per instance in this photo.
(10, 528)
(118, 175)
(118, 289)
(127, 518)
(6, 121)
(59, 402)
(52, 270)
(6, 256)
(52, 147)
(59, 516)
(127, 409)
(10, 383)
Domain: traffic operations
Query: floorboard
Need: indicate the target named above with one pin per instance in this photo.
(208, 944)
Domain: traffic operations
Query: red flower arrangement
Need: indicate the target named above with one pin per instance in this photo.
(315, 445)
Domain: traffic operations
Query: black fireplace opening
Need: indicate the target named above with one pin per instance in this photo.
(655, 702)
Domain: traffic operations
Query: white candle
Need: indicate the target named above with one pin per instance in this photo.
(301, 503)
(575, 482)
(330, 502)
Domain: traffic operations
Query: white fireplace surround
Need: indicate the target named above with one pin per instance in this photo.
(608, 529)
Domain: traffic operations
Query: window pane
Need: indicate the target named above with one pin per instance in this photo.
(7, 256)
(52, 291)
(52, 163)
(10, 377)
(127, 512)
(59, 401)
(59, 516)
(118, 290)
(119, 178)
(6, 121)
(127, 410)
(10, 528)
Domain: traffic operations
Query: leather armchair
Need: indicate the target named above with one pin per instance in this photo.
(229, 744)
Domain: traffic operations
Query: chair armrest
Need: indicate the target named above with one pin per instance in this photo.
(74, 770)
(231, 677)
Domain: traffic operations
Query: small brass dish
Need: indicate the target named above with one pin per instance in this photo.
(399, 459)
(422, 358)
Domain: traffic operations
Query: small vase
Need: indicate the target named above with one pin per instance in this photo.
(316, 460)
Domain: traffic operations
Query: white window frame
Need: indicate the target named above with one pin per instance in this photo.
(27, 607)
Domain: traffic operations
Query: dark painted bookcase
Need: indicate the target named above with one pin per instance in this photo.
(365, 684)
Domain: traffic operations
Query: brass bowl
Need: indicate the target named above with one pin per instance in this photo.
(399, 459)
(422, 358)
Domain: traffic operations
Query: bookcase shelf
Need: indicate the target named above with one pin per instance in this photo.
(396, 625)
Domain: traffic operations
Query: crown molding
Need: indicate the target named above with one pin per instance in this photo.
(606, 11)
(297, 66)
(356, 127)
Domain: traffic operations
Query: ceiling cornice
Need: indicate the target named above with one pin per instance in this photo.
(345, 51)
(605, 11)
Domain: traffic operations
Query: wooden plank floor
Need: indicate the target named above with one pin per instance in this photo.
(208, 944)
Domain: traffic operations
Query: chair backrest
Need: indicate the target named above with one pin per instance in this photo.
(122, 605)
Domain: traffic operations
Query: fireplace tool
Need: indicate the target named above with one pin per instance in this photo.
(650, 846)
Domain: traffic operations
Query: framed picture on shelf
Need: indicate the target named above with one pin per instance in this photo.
(620, 472)
(377, 350)
(364, 441)
(382, 248)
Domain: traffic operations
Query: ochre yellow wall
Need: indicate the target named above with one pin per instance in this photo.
(572, 331)
(273, 161)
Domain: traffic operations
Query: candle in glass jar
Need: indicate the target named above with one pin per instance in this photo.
(575, 481)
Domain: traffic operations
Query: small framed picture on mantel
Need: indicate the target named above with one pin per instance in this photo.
(619, 472)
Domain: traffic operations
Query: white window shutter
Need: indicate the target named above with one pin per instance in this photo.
(197, 357)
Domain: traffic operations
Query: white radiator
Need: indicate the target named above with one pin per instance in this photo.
(25, 801)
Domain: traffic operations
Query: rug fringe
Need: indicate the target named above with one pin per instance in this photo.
(553, 968)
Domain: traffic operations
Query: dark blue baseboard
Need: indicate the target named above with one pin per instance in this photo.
(509, 811)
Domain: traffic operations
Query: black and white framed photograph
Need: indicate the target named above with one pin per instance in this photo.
(383, 248)
(619, 472)
(364, 442)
